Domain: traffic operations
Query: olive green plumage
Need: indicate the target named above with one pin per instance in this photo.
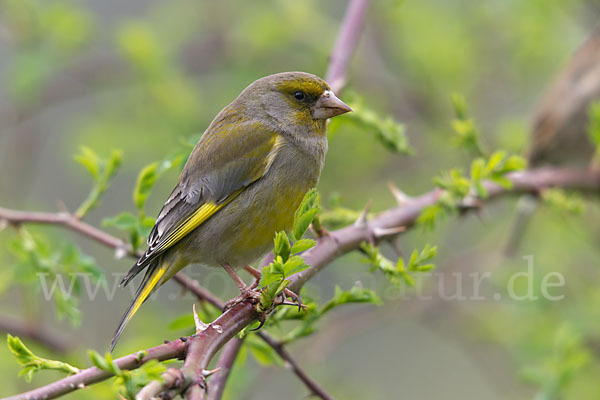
(242, 182)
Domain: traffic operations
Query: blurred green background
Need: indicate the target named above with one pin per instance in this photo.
(147, 77)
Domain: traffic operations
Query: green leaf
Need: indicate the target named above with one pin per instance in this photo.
(430, 215)
(465, 130)
(303, 222)
(90, 161)
(302, 245)
(105, 363)
(124, 221)
(102, 170)
(305, 213)
(271, 273)
(562, 201)
(387, 131)
(145, 181)
(354, 295)
(282, 246)
(32, 363)
(294, 265)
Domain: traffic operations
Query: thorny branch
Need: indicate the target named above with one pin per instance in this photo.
(204, 345)
(347, 41)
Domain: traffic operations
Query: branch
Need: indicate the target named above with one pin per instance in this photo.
(347, 40)
(34, 332)
(202, 347)
(312, 385)
(224, 364)
(167, 351)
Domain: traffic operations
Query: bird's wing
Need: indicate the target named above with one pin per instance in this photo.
(229, 157)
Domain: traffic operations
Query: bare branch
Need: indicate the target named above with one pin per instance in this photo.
(312, 385)
(33, 331)
(347, 40)
(225, 363)
(204, 345)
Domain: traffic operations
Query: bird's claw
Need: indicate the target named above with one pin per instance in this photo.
(248, 293)
(294, 296)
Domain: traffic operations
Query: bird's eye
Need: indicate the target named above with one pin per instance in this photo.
(300, 96)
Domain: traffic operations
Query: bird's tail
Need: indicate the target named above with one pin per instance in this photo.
(152, 280)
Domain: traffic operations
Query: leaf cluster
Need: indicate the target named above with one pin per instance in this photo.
(400, 271)
(129, 382)
(31, 363)
(41, 261)
(457, 187)
(388, 132)
(102, 170)
(286, 260)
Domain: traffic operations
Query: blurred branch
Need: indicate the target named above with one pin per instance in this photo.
(282, 352)
(201, 347)
(33, 332)
(347, 40)
(224, 365)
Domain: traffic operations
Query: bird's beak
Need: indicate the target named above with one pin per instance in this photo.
(328, 106)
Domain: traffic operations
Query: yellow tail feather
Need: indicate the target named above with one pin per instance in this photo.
(152, 278)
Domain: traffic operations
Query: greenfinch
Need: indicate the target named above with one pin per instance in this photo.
(242, 182)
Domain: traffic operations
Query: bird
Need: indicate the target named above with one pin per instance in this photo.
(242, 182)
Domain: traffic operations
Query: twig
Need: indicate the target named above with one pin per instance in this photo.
(171, 378)
(347, 40)
(312, 385)
(167, 351)
(33, 332)
(224, 363)
(202, 347)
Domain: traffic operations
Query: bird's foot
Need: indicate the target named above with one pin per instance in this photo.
(247, 293)
(294, 296)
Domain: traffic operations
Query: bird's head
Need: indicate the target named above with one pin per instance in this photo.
(296, 99)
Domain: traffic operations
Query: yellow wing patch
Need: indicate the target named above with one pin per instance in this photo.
(203, 213)
(146, 291)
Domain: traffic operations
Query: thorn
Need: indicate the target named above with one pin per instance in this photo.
(401, 197)
(262, 320)
(471, 201)
(396, 247)
(361, 221)
(384, 232)
(200, 326)
(62, 207)
(209, 372)
(121, 252)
